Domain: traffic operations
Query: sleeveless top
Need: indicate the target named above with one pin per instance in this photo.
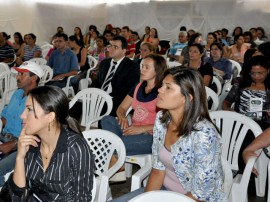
(144, 112)
(86, 66)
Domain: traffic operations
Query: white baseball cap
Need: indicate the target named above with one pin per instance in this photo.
(30, 66)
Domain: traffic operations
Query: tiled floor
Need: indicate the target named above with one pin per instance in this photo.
(123, 188)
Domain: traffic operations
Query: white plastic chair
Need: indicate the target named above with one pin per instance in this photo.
(236, 67)
(104, 144)
(228, 176)
(39, 61)
(85, 82)
(161, 196)
(217, 82)
(233, 128)
(211, 95)
(3, 67)
(45, 49)
(7, 81)
(68, 89)
(93, 100)
(47, 76)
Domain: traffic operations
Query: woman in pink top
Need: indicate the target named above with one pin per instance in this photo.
(137, 134)
(238, 49)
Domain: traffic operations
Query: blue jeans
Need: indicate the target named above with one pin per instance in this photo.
(7, 164)
(135, 144)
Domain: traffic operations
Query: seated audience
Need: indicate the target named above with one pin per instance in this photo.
(108, 36)
(31, 50)
(63, 61)
(238, 50)
(196, 62)
(177, 47)
(237, 30)
(211, 38)
(136, 40)
(194, 38)
(118, 74)
(261, 34)
(146, 49)
(29, 74)
(53, 158)
(186, 147)
(87, 37)
(146, 34)
(137, 134)
(251, 95)
(79, 35)
(222, 67)
(6, 51)
(131, 49)
(18, 44)
(81, 54)
(249, 40)
(55, 46)
(153, 38)
(255, 37)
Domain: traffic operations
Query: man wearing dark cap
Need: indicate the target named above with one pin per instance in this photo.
(29, 74)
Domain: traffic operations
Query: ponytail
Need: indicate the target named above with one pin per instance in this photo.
(73, 125)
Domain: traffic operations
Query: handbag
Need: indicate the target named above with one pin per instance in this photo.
(5, 194)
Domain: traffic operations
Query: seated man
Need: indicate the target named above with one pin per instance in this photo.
(118, 74)
(29, 74)
(63, 61)
(131, 47)
(7, 53)
(177, 48)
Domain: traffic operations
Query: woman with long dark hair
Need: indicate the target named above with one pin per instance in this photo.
(54, 162)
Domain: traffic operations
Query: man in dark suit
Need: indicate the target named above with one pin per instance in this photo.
(118, 74)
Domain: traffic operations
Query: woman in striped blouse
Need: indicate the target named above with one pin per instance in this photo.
(54, 162)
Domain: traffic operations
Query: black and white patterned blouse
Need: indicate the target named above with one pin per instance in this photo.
(69, 176)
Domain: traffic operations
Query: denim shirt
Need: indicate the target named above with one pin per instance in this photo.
(196, 160)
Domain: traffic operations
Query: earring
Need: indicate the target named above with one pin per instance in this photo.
(49, 127)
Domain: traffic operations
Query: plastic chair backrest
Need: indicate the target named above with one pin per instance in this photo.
(40, 61)
(233, 128)
(45, 49)
(211, 95)
(7, 81)
(103, 145)
(48, 74)
(236, 67)
(228, 176)
(217, 82)
(161, 196)
(93, 100)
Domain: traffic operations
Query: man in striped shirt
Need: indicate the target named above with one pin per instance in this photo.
(6, 52)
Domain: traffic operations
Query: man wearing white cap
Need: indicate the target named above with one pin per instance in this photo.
(29, 74)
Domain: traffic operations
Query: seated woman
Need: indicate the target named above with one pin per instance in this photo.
(211, 38)
(196, 62)
(145, 50)
(54, 162)
(137, 135)
(237, 51)
(81, 53)
(18, 44)
(31, 50)
(186, 146)
(194, 38)
(251, 96)
(153, 38)
(222, 67)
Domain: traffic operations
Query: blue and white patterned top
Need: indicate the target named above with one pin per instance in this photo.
(196, 160)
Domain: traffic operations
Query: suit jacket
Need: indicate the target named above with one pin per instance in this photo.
(124, 79)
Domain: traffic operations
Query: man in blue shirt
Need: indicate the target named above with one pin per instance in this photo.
(29, 74)
(63, 61)
(175, 51)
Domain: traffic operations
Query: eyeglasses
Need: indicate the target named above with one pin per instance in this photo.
(113, 46)
(259, 73)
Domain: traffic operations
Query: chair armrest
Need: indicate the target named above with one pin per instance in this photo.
(139, 176)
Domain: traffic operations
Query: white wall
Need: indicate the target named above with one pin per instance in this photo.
(42, 18)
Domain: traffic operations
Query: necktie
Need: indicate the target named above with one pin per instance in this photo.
(109, 78)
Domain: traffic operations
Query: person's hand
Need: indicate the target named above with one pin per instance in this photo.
(133, 130)
(123, 123)
(7, 147)
(24, 142)
(246, 156)
(58, 77)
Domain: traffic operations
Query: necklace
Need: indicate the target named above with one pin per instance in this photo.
(46, 155)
